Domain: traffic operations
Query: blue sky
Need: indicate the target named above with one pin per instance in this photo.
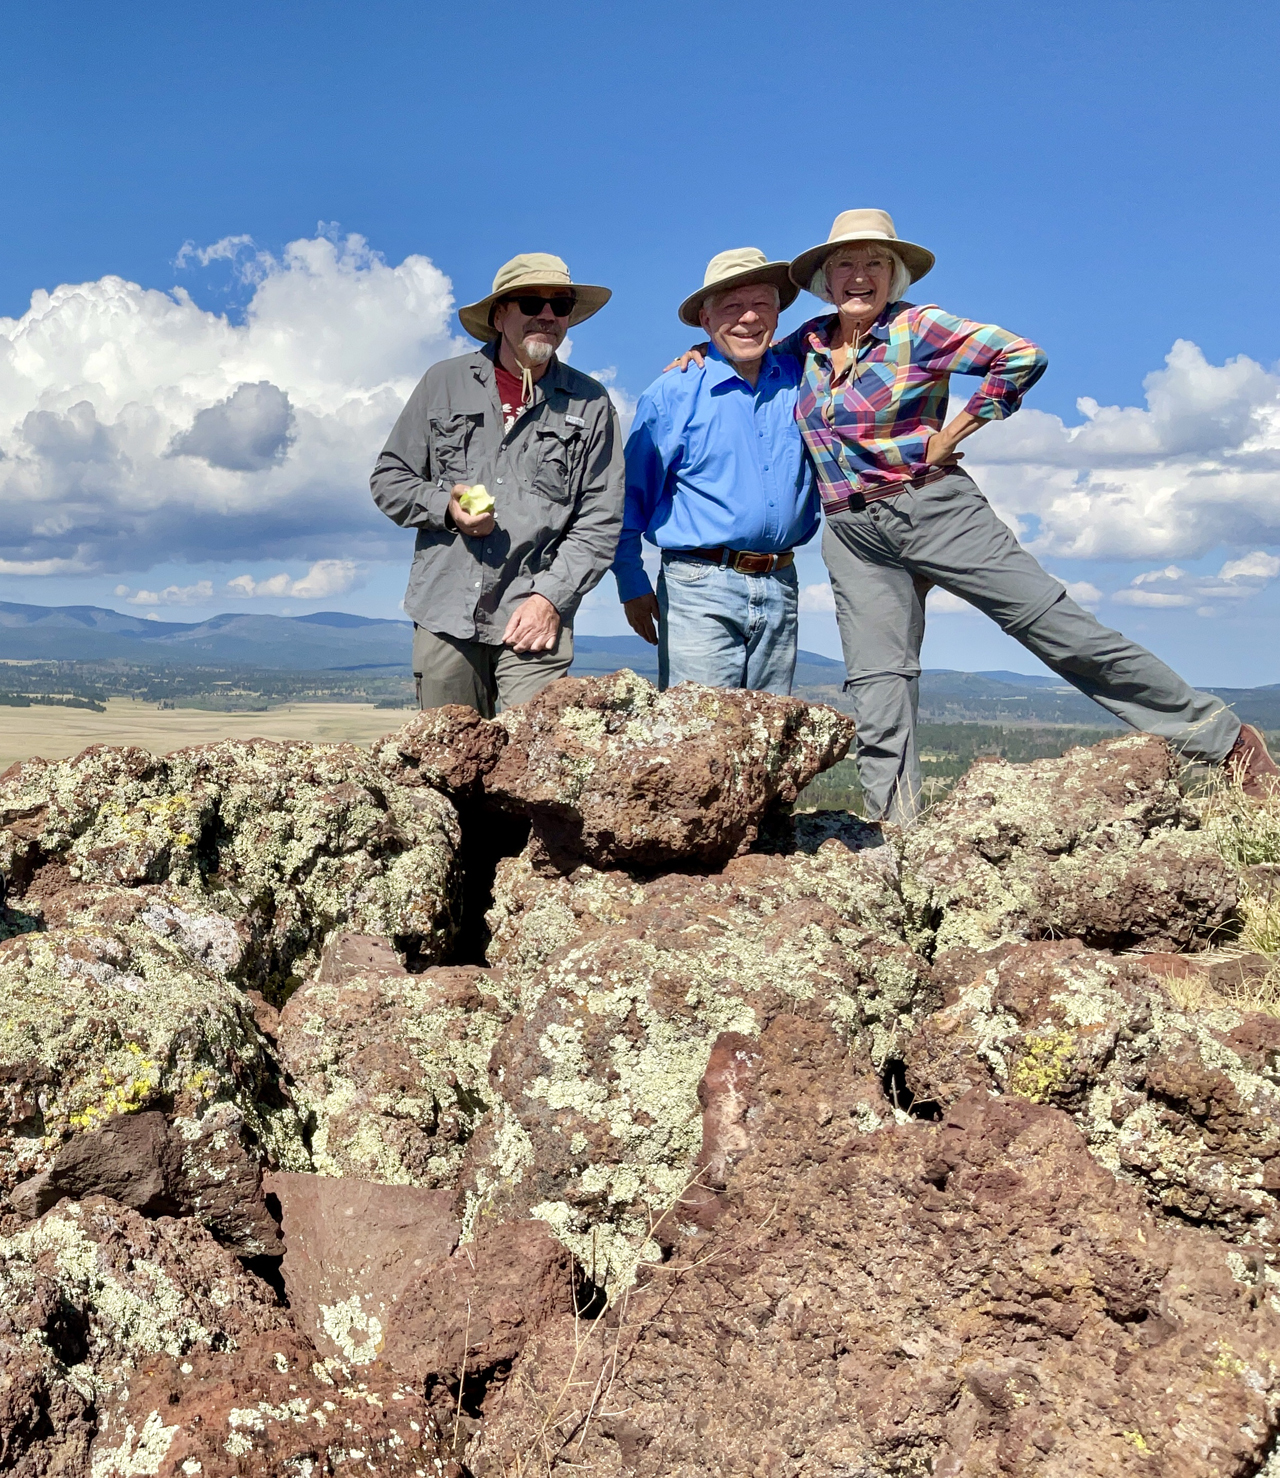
(1101, 178)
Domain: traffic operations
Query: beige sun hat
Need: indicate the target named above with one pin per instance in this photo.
(853, 227)
(736, 268)
(532, 269)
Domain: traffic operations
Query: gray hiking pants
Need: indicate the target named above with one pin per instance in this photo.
(481, 675)
(884, 557)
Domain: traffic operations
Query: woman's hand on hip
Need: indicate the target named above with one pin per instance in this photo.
(940, 449)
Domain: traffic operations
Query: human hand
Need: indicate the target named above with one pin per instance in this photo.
(475, 526)
(642, 616)
(534, 626)
(696, 355)
(941, 452)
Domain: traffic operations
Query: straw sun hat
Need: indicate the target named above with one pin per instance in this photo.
(861, 228)
(736, 268)
(523, 274)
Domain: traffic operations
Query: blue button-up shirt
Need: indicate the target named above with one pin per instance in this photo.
(713, 462)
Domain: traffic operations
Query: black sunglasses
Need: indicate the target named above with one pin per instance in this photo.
(531, 307)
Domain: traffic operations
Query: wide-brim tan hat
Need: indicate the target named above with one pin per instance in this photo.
(532, 269)
(854, 228)
(737, 268)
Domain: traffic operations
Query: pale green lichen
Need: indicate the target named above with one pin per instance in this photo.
(389, 1131)
(143, 1319)
(356, 1332)
(112, 1020)
(139, 1454)
(1072, 847)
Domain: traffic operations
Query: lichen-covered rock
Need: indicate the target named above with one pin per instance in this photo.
(614, 773)
(270, 1410)
(535, 913)
(1097, 845)
(450, 748)
(136, 1346)
(597, 1123)
(288, 840)
(966, 1298)
(105, 1018)
(1185, 1104)
(389, 1067)
(90, 1294)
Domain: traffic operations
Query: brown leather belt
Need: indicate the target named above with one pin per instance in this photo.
(743, 561)
(887, 490)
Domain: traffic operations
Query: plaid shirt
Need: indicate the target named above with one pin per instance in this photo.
(868, 431)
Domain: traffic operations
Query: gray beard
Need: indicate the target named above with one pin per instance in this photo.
(536, 353)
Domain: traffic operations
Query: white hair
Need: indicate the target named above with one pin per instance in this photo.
(711, 299)
(897, 288)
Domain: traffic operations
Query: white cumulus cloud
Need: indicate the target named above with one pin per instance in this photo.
(1172, 587)
(1197, 468)
(171, 595)
(817, 598)
(325, 578)
(138, 428)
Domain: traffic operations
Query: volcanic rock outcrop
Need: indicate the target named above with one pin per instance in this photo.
(341, 1130)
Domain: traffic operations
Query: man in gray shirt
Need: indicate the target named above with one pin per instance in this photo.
(493, 594)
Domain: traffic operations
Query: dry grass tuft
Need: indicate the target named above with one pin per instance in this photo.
(1247, 833)
(1197, 992)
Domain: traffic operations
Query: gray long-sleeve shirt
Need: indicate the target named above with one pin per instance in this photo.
(557, 481)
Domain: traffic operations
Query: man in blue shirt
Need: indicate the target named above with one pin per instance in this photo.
(718, 479)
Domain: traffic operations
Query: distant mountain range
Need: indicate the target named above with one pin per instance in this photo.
(328, 639)
(339, 641)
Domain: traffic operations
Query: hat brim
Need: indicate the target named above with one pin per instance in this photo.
(588, 300)
(917, 259)
(775, 273)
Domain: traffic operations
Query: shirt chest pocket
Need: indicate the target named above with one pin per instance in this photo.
(559, 452)
(451, 445)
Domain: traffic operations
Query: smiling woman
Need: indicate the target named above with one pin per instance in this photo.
(902, 517)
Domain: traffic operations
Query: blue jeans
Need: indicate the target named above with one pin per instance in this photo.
(725, 629)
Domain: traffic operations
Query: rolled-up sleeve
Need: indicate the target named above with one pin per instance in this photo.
(402, 483)
(587, 549)
(1010, 366)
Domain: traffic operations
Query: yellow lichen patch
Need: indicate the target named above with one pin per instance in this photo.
(1044, 1067)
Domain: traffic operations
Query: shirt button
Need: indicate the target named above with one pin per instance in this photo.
(478, 583)
(499, 482)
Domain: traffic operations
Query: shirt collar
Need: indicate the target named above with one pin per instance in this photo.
(486, 358)
(820, 333)
(718, 370)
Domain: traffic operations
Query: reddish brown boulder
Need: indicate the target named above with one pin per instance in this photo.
(969, 1297)
(352, 1248)
(267, 1410)
(461, 1325)
(597, 1123)
(89, 1294)
(206, 1167)
(1098, 845)
(451, 749)
(390, 1065)
(614, 773)
(1185, 1104)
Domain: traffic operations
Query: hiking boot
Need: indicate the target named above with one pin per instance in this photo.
(1250, 765)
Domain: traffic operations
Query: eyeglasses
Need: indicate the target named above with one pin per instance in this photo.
(531, 306)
